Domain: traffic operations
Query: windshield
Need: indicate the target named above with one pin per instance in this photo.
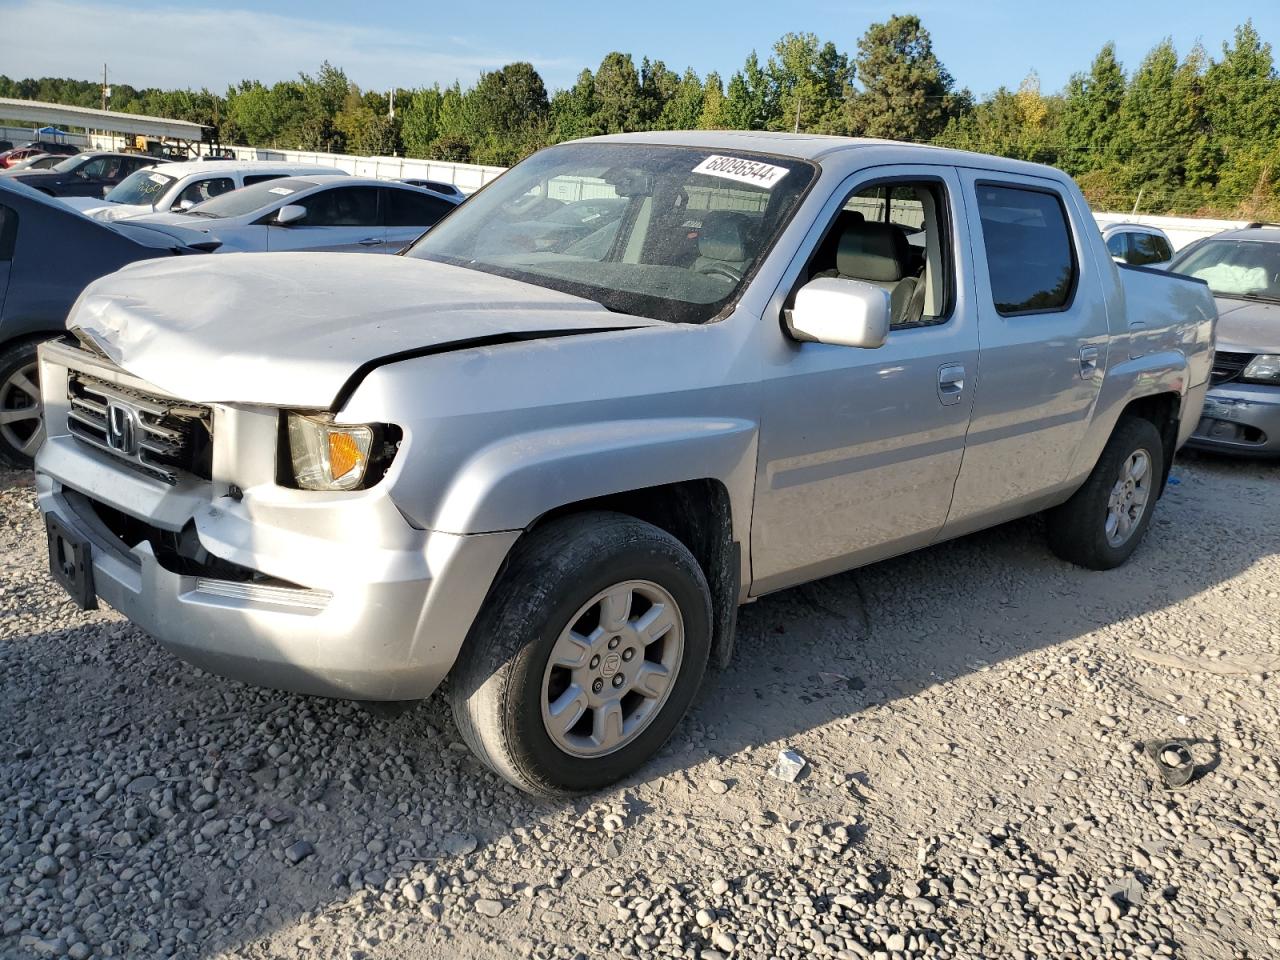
(663, 232)
(1243, 269)
(141, 186)
(246, 200)
(71, 163)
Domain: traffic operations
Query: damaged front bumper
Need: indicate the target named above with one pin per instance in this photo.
(328, 594)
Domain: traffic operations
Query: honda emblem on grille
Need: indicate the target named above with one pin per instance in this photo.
(122, 428)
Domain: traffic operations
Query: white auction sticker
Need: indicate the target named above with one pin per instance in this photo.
(282, 191)
(744, 171)
(156, 178)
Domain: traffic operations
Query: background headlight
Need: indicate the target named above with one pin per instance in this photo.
(324, 455)
(1264, 367)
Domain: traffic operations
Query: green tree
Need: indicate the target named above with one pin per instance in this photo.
(658, 86)
(1161, 143)
(810, 81)
(573, 111)
(750, 101)
(906, 91)
(619, 107)
(420, 122)
(1091, 113)
(713, 104)
(683, 110)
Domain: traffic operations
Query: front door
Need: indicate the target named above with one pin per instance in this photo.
(341, 219)
(860, 448)
(1043, 323)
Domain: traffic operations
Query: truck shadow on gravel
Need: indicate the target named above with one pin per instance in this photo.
(238, 816)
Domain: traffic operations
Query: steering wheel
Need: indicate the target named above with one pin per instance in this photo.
(721, 270)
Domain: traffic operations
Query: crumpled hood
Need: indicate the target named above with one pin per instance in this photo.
(1248, 326)
(289, 329)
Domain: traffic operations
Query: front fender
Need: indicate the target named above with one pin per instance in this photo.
(512, 482)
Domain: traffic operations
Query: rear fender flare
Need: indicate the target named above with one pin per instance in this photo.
(1127, 381)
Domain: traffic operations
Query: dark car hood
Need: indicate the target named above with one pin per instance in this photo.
(1248, 326)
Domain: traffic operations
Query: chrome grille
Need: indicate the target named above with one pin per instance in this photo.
(160, 437)
(1227, 366)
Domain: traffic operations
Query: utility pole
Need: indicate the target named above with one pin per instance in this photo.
(391, 104)
(797, 127)
(106, 91)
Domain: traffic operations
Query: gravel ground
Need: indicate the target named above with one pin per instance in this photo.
(971, 717)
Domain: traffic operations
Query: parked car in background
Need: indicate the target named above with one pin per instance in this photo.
(330, 212)
(1138, 245)
(551, 467)
(181, 186)
(41, 161)
(15, 154)
(48, 253)
(1241, 412)
(442, 187)
(84, 175)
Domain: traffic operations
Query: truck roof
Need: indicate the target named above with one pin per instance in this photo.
(819, 147)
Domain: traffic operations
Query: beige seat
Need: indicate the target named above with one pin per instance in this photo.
(879, 253)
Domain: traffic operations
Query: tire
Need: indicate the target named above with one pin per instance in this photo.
(21, 414)
(504, 689)
(1080, 530)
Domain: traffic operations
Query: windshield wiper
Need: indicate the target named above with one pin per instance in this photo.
(200, 213)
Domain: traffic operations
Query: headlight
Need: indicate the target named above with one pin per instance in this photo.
(325, 455)
(1264, 367)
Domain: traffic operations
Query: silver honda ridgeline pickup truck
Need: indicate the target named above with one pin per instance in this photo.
(635, 382)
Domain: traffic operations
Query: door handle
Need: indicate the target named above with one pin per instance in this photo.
(369, 241)
(950, 383)
(1088, 362)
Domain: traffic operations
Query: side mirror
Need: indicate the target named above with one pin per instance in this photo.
(848, 313)
(106, 190)
(290, 213)
(182, 206)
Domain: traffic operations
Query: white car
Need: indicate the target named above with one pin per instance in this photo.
(323, 212)
(1138, 245)
(179, 186)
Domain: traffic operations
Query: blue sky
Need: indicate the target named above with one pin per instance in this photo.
(172, 43)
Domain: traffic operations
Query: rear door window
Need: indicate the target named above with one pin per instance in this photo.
(408, 208)
(1030, 256)
(1148, 248)
(252, 178)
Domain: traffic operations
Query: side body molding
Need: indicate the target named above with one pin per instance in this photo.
(510, 483)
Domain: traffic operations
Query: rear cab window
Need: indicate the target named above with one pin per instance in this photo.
(1031, 258)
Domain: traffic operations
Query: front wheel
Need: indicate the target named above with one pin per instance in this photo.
(21, 412)
(1105, 520)
(587, 654)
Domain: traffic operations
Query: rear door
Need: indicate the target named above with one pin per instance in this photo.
(340, 219)
(1042, 321)
(410, 214)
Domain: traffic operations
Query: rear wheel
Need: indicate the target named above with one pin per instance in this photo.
(1105, 520)
(21, 413)
(586, 656)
